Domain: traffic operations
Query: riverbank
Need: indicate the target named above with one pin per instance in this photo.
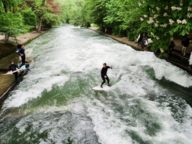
(23, 38)
(7, 55)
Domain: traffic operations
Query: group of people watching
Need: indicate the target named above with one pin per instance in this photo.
(14, 67)
(143, 42)
(185, 42)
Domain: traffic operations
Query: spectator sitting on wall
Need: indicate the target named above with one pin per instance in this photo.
(185, 44)
(14, 68)
(143, 40)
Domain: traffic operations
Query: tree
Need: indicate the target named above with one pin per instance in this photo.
(76, 12)
(161, 19)
(11, 24)
(167, 19)
(46, 12)
(99, 12)
(17, 16)
(10, 5)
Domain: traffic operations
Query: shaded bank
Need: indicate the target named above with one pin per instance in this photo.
(6, 81)
(7, 54)
(6, 49)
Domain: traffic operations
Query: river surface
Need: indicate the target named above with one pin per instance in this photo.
(149, 101)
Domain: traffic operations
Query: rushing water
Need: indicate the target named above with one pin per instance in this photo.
(149, 101)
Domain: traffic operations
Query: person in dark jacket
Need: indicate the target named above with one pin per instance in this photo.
(21, 52)
(185, 44)
(13, 67)
(171, 46)
(104, 74)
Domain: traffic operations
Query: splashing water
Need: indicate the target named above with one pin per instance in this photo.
(148, 103)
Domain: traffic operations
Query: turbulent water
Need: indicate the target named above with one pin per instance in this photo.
(149, 101)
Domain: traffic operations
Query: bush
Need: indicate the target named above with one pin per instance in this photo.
(50, 19)
(29, 17)
(12, 24)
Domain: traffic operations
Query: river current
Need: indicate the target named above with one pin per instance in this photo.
(149, 101)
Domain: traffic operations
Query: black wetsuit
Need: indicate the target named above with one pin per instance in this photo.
(21, 52)
(104, 75)
(14, 67)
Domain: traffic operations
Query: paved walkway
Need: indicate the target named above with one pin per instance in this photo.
(124, 40)
(23, 38)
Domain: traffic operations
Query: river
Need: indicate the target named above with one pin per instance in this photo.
(149, 101)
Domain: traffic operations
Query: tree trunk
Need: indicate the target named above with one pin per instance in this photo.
(43, 3)
(16, 39)
(40, 19)
(39, 25)
(6, 38)
(5, 6)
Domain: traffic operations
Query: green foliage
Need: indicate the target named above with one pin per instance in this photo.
(76, 12)
(18, 16)
(11, 23)
(168, 19)
(50, 19)
(29, 17)
(161, 19)
(10, 5)
(99, 12)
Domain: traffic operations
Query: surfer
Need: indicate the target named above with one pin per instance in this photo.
(14, 68)
(104, 74)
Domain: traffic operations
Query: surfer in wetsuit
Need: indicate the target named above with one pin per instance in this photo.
(104, 74)
(13, 67)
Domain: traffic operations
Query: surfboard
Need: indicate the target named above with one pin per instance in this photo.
(12, 72)
(21, 69)
(98, 88)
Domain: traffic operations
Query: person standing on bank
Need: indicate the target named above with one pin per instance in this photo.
(171, 46)
(104, 74)
(185, 44)
(21, 52)
(143, 40)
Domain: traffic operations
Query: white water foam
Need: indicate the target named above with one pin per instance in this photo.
(59, 124)
(71, 52)
(110, 127)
